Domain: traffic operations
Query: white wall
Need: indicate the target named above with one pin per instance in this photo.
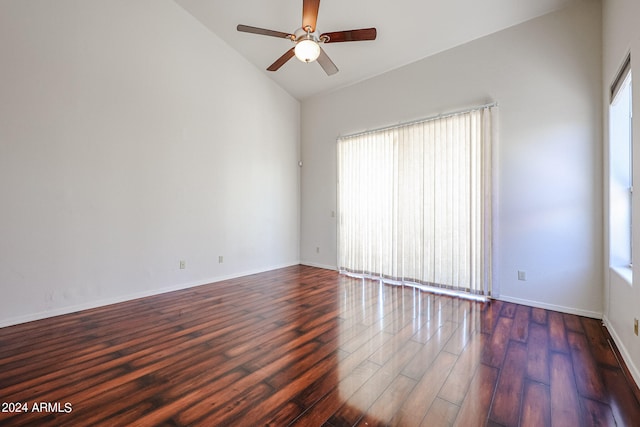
(546, 76)
(132, 138)
(621, 36)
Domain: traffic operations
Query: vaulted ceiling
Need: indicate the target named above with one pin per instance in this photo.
(408, 30)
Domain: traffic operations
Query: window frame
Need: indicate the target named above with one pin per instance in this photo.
(620, 180)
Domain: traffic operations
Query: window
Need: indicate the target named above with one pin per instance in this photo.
(415, 202)
(620, 171)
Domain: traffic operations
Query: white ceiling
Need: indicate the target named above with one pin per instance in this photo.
(408, 30)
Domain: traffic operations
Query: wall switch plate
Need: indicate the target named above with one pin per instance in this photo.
(183, 264)
(220, 259)
(522, 275)
(635, 326)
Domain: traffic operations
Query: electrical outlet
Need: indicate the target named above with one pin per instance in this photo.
(318, 249)
(183, 264)
(522, 275)
(635, 326)
(220, 259)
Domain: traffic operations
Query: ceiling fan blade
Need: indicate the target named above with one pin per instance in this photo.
(326, 63)
(350, 35)
(263, 32)
(310, 14)
(282, 60)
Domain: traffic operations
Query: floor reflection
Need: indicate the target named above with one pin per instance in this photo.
(401, 344)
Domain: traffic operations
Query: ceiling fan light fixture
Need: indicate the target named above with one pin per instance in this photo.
(307, 39)
(307, 50)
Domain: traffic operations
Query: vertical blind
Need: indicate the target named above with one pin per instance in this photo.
(415, 202)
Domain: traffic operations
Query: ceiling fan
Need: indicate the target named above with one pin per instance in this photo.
(307, 42)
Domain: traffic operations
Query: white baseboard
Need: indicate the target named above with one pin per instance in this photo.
(314, 264)
(635, 372)
(560, 308)
(115, 300)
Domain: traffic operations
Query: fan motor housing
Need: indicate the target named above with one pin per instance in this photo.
(302, 34)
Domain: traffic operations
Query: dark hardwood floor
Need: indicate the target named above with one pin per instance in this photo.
(307, 347)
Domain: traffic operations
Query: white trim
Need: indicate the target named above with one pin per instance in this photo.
(495, 199)
(628, 360)
(317, 265)
(553, 307)
(623, 72)
(624, 273)
(115, 300)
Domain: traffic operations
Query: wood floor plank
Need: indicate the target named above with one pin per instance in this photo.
(598, 342)
(557, 333)
(597, 414)
(428, 352)
(416, 404)
(564, 396)
(365, 351)
(284, 376)
(317, 414)
(455, 387)
(475, 408)
(635, 390)
(536, 405)
(490, 315)
(389, 402)
(538, 353)
(496, 348)
(357, 405)
(441, 413)
(588, 380)
(327, 384)
(520, 328)
(267, 407)
(430, 328)
(539, 315)
(460, 337)
(508, 310)
(507, 399)
(572, 323)
(622, 399)
(391, 347)
(307, 347)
